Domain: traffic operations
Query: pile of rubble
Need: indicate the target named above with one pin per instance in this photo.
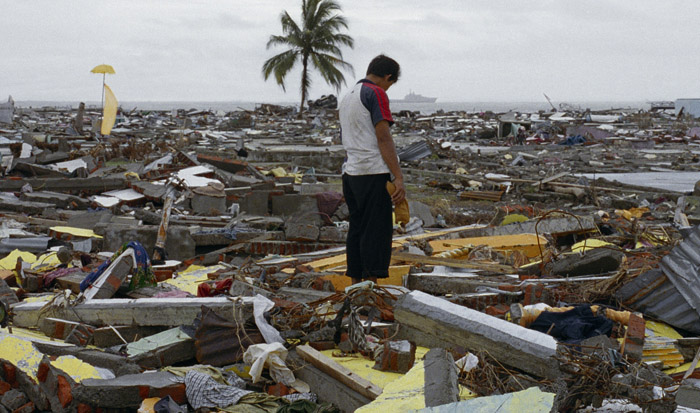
(206, 249)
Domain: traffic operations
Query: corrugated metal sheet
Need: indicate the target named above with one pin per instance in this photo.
(654, 295)
(415, 151)
(672, 292)
(681, 266)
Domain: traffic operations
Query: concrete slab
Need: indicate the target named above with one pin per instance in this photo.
(326, 387)
(118, 311)
(441, 385)
(510, 344)
(179, 245)
(130, 390)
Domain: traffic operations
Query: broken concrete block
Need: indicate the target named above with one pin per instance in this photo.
(256, 203)
(208, 205)
(107, 336)
(688, 394)
(595, 261)
(302, 232)
(88, 220)
(333, 234)
(553, 225)
(107, 284)
(441, 386)
(13, 399)
(422, 211)
(303, 207)
(162, 349)
(23, 382)
(179, 244)
(397, 356)
(97, 358)
(57, 386)
(130, 390)
(240, 289)
(59, 200)
(510, 344)
(118, 311)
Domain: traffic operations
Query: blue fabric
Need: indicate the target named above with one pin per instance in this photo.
(140, 253)
(574, 140)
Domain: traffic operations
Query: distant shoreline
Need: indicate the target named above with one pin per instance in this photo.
(425, 108)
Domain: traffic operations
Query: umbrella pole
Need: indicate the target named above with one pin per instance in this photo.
(102, 102)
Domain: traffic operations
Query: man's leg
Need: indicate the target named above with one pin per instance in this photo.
(352, 244)
(375, 244)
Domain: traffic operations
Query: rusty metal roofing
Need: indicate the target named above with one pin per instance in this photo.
(672, 292)
(653, 294)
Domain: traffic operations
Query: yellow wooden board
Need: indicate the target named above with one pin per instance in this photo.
(324, 264)
(396, 273)
(527, 243)
(78, 232)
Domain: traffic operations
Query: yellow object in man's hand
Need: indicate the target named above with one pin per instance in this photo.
(401, 209)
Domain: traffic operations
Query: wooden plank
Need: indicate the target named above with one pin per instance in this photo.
(550, 179)
(527, 243)
(338, 372)
(449, 262)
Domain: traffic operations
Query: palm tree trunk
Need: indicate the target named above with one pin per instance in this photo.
(304, 74)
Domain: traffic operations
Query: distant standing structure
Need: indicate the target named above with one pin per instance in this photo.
(688, 106)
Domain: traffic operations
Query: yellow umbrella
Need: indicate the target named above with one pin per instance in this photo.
(104, 69)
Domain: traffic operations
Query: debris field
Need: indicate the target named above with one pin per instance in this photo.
(193, 260)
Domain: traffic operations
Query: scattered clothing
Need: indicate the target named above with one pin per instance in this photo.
(573, 326)
(142, 277)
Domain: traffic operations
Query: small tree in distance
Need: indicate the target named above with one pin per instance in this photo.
(316, 41)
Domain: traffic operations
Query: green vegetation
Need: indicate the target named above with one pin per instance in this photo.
(316, 41)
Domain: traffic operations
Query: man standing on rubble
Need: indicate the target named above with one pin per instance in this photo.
(365, 119)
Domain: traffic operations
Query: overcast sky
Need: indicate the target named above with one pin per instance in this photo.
(486, 50)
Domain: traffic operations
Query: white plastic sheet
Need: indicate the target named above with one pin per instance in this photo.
(261, 305)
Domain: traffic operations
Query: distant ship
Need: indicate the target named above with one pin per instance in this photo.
(415, 98)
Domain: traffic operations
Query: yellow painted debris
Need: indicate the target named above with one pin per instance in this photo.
(631, 213)
(396, 273)
(324, 264)
(659, 329)
(526, 243)
(513, 218)
(47, 262)
(278, 172)
(659, 345)
(148, 405)
(588, 244)
(189, 279)
(9, 262)
(362, 366)
(404, 393)
(78, 232)
(21, 352)
(680, 369)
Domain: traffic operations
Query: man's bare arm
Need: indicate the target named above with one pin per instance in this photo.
(388, 151)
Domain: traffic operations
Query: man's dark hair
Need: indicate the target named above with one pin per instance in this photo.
(384, 65)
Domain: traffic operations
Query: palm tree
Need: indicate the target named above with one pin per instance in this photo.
(317, 41)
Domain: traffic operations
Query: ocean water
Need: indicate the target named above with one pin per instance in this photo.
(423, 108)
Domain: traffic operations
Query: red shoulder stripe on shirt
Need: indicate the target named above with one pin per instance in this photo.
(383, 101)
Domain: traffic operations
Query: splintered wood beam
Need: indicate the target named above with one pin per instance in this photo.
(338, 372)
